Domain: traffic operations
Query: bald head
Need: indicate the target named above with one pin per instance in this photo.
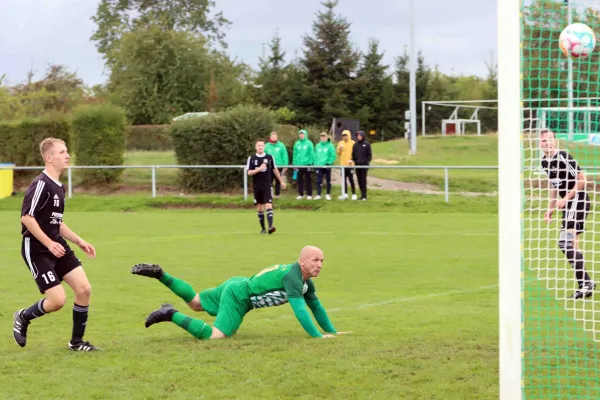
(311, 261)
(308, 251)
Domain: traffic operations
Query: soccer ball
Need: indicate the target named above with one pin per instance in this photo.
(577, 41)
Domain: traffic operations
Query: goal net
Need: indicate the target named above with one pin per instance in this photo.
(559, 334)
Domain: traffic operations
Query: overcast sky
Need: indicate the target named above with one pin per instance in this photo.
(458, 35)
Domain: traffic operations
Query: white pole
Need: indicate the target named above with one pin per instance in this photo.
(413, 82)
(423, 112)
(570, 77)
(153, 182)
(510, 197)
(446, 190)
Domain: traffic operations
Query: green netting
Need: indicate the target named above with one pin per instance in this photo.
(560, 335)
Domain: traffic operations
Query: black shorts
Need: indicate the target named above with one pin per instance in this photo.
(575, 214)
(263, 196)
(47, 270)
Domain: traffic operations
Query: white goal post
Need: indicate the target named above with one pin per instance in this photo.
(459, 123)
(510, 199)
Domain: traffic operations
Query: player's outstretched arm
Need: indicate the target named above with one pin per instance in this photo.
(299, 307)
(320, 315)
(72, 237)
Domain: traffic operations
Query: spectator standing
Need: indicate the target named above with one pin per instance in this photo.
(303, 157)
(324, 155)
(344, 150)
(279, 153)
(361, 156)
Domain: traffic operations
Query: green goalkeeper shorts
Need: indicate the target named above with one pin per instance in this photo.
(230, 302)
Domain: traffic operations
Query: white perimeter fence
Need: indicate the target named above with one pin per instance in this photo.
(244, 171)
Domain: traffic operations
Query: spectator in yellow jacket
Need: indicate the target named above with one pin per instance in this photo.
(344, 150)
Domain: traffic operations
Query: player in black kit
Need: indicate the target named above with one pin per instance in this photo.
(261, 167)
(569, 195)
(46, 253)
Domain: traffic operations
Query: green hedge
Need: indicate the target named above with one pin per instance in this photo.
(100, 133)
(20, 140)
(149, 137)
(225, 138)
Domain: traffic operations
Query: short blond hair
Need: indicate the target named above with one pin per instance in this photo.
(48, 143)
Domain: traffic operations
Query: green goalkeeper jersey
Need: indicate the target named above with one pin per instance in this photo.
(274, 285)
(283, 283)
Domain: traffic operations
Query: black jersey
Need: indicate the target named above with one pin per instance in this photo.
(562, 171)
(45, 201)
(261, 180)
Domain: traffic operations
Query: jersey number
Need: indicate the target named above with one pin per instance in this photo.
(49, 277)
(273, 268)
(56, 203)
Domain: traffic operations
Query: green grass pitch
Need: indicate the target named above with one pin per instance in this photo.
(419, 291)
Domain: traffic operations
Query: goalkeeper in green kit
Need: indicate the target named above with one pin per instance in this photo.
(234, 298)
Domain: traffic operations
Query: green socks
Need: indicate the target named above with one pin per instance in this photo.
(179, 287)
(196, 327)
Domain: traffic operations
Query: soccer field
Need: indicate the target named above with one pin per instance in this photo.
(419, 291)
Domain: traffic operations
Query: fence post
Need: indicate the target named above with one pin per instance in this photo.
(446, 194)
(70, 182)
(153, 182)
(244, 170)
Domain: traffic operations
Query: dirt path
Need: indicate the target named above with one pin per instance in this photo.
(386, 184)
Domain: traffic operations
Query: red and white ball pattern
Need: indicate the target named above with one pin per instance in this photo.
(577, 41)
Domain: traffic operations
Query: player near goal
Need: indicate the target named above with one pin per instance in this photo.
(46, 253)
(261, 167)
(233, 299)
(569, 195)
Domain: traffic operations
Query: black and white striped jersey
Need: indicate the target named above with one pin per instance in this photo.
(562, 171)
(45, 201)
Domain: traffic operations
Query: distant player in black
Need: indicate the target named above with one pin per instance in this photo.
(569, 195)
(46, 253)
(261, 167)
(361, 156)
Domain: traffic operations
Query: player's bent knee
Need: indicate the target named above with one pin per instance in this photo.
(195, 304)
(566, 240)
(217, 334)
(55, 299)
(83, 290)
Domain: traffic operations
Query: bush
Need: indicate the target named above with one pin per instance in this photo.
(100, 133)
(225, 138)
(149, 137)
(20, 140)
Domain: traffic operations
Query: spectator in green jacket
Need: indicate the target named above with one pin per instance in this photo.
(279, 153)
(324, 155)
(303, 157)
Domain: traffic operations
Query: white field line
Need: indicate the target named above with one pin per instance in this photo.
(408, 299)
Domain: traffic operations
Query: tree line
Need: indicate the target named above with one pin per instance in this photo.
(168, 57)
